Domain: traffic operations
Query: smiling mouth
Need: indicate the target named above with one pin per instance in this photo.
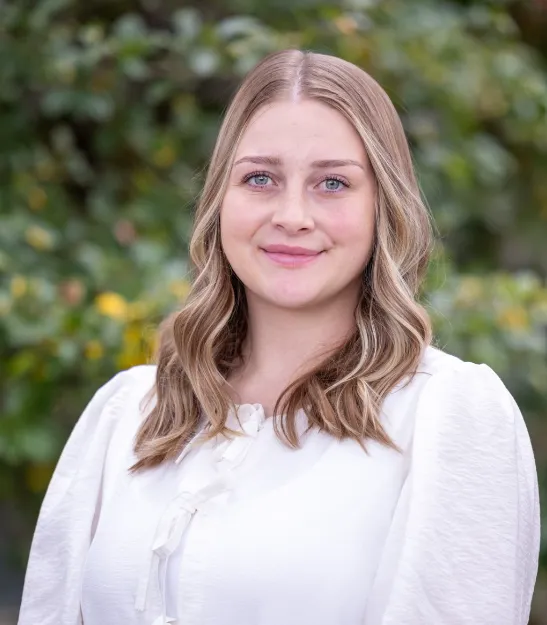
(291, 259)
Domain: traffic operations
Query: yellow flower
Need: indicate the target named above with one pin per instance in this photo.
(345, 24)
(93, 350)
(39, 238)
(111, 305)
(19, 286)
(513, 318)
(138, 310)
(470, 290)
(135, 348)
(180, 289)
(132, 336)
(165, 156)
(36, 198)
(151, 340)
(37, 476)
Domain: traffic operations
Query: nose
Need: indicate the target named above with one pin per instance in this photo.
(292, 213)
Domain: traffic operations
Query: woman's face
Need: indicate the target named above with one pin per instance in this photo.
(297, 221)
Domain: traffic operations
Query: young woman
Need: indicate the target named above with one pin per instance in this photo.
(305, 456)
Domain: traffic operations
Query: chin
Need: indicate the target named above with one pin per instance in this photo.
(301, 304)
(291, 299)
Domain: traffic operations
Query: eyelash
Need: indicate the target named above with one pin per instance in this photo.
(247, 177)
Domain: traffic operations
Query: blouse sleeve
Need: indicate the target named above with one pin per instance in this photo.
(464, 543)
(65, 526)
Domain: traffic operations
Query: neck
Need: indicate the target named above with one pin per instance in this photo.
(281, 344)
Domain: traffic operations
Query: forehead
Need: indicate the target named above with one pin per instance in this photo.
(301, 130)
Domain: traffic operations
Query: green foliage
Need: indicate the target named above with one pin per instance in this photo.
(108, 113)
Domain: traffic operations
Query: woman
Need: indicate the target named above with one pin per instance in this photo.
(305, 457)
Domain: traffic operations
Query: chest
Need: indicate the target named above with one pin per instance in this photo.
(288, 522)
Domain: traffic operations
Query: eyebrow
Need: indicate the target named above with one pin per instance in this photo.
(322, 164)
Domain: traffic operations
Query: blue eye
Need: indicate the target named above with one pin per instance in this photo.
(334, 184)
(259, 180)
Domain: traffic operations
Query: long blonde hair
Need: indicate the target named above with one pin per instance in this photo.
(201, 344)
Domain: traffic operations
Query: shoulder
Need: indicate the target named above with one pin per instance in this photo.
(145, 374)
(470, 506)
(465, 387)
(138, 376)
(436, 361)
(133, 383)
(120, 405)
(470, 437)
(106, 423)
(450, 399)
(467, 419)
(115, 404)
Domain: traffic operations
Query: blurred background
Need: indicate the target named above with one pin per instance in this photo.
(108, 113)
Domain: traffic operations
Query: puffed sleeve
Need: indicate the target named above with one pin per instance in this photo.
(464, 543)
(51, 593)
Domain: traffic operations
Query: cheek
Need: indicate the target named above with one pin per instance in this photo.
(238, 223)
(352, 228)
(239, 213)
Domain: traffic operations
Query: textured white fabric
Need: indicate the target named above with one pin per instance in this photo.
(249, 532)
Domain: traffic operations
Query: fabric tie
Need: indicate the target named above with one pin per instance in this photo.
(164, 620)
(232, 451)
(180, 511)
(171, 527)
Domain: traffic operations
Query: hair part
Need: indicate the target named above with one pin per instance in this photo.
(201, 344)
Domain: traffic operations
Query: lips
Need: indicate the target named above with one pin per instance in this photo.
(291, 256)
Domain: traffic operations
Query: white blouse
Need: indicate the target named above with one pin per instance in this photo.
(249, 532)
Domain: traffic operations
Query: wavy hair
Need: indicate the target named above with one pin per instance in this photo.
(201, 344)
